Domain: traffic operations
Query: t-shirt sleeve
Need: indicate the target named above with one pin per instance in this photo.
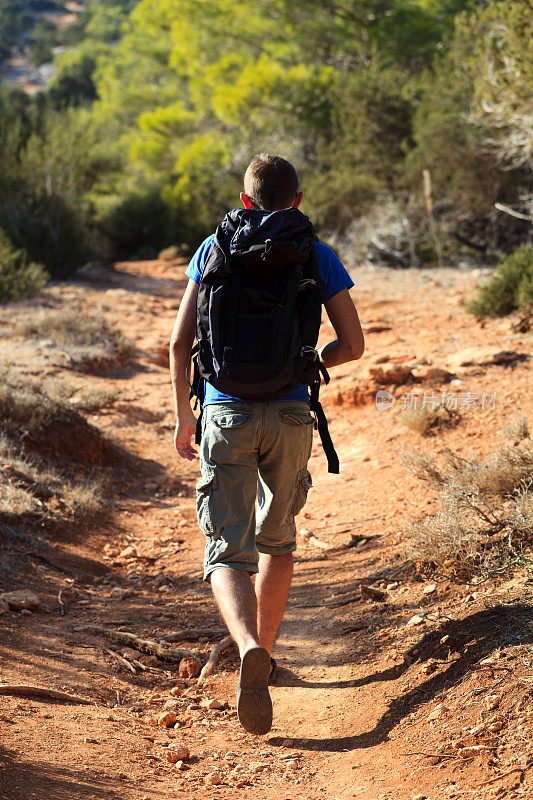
(197, 262)
(333, 273)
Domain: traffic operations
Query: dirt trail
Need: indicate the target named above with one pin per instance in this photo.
(350, 715)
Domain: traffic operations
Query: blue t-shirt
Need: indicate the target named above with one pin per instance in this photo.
(334, 278)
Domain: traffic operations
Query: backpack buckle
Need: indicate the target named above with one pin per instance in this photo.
(267, 249)
(309, 351)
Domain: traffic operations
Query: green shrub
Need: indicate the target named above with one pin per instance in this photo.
(18, 278)
(510, 287)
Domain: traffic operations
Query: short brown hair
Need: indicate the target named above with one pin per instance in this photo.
(271, 182)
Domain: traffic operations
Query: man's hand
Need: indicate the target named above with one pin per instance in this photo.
(185, 430)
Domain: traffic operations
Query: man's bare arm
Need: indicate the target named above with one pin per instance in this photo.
(180, 347)
(350, 343)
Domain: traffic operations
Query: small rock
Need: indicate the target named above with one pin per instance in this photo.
(287, 743)
(494, 727)
(438, 712)
(171, 705)
(121, 593)
(180, 765)
(396, 374)
(212, 705)
(418, 619)
(456, 744)
(176, 691)
(177, 752)
(214, 779)
(483, 357)
(391, 586)
(4, 606)
(128, 552)
(372, 594)
(477, 729)
(189, 667)
(430, 588)
(21, 600)
(149, 661)
(433, 375)
(473, 750)
(491, 702)
(90, 740)
(292, 764)
(167, 719)
(256, 766)
(418, 797)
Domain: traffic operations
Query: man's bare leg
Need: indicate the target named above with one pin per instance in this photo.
(272, 586)
(234, 593)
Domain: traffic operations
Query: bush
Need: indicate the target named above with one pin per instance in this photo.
(510, 287)
(90, 344)
(18, 278)
(138, 221)
(485, 520)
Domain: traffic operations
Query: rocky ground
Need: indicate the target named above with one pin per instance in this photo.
(414, 686)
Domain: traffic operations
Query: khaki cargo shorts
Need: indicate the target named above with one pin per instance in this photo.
(253, 458)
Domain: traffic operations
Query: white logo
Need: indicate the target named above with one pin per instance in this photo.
(384, 400)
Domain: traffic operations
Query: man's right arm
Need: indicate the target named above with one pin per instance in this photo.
(350, 343)
(181, 342)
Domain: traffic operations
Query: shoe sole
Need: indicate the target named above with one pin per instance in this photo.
(254, 706)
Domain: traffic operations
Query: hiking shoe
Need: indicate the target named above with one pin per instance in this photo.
(273, 672)
(254, 706)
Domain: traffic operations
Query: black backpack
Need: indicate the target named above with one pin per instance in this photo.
(258, 312)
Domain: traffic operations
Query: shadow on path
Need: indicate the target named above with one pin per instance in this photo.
(473, 638)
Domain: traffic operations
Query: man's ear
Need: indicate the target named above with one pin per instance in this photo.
(245, 200)
(297, 199)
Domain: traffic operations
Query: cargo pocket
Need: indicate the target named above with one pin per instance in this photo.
(297, 419)
(206, 489)
(231, 419)
(303, 484)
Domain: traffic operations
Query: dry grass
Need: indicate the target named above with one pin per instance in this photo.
(33, 409)
(39, 427)
(425, 420)
(28, 485)
(485, 520)
(418, 419)
(88, 342)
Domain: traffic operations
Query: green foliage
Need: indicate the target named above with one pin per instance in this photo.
(15, 18)
(131, 223)
(73, 82)
(157, 106)
(18, 277)
(44, 37)
(48, 165)
(510, 287)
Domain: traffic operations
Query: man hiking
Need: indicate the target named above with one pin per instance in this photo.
(253, 301)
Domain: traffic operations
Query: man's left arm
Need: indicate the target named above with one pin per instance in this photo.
(350, 343)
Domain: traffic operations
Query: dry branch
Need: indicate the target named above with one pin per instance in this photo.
(214, 655)
(41, 692)
(121, 660)
(131, 639)
(61, 603)
(191, 634)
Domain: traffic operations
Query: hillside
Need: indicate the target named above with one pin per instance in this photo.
(417, 686)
